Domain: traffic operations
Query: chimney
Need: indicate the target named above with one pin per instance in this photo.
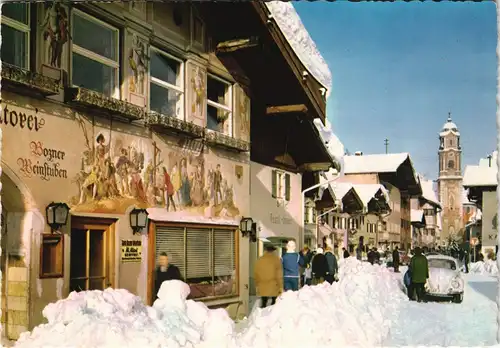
(358, 153)
(489, 160)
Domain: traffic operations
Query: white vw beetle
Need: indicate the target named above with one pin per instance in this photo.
(445, 278)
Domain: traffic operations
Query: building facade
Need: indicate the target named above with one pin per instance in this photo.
(450, 181)
(119, 106)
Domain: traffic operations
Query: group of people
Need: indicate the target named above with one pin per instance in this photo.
(274, 275)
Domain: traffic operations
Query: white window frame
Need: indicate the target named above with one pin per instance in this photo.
(94, 56)
(25, 28)
(166, 85)
(280, 184)
(221, 106)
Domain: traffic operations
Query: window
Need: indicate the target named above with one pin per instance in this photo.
(428, 212)
(166, 88)
(280, 185)
(219, 105)
(15, 35)
(95, 55)
(308, 217)
(206, 258)
(52, 256)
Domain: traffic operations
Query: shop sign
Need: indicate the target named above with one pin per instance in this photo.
(131, 251)
(20, 119)
(280, 220)
(44, 162)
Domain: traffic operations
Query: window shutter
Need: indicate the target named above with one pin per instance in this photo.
(274, 185)
(170, 240)
(224, 253)
(287, 187)
(198, 253)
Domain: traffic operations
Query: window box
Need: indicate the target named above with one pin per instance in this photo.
(173, 124)
(52, 256)
(108, 105)
(19, 79)
(225, 141)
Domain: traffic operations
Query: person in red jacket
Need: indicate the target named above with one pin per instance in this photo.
(168, 190)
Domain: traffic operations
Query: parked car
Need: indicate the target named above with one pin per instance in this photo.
(445, 279)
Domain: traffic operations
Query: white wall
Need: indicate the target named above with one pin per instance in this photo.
(488, 232)
(273, 220)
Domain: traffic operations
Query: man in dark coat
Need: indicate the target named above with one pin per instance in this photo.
(395, 259)
(419, 270)
(370, 255)
(346, 253)
(165, 271)
(332, 265)
(319, 267)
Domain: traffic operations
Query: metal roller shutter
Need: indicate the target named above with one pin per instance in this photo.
(224, 252)
(171, 240)
(199, 253)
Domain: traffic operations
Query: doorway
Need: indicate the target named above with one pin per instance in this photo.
(92, 255)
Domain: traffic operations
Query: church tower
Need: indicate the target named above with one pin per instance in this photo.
(450, 180)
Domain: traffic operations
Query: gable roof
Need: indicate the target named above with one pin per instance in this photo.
(428, 192)
(480, 176)
(379, 163)
(417, 215)
(367, 192)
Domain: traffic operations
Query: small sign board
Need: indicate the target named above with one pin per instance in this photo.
(131, 251)
(474, 241)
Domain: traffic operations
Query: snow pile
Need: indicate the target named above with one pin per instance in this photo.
(488, 267)
(351, 312)
(117, 318)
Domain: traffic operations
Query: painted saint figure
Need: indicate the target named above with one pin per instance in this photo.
(168, 190)
(176, 183)
(217, 185)
(55, 28)
(198, 187)
(185, 184)
(199, 92)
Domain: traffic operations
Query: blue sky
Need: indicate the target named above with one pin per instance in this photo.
(399, 68)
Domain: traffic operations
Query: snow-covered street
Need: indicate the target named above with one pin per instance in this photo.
(366, 308)
(471, 323)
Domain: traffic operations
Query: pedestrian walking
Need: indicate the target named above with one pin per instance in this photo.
(466, 261)
(268, 275)
(419, 270)
(319, 267)
(291, 261)
(332, 265)
(165, 271)
(370, 255)
(395, 259)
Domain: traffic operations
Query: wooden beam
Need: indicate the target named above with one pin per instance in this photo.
(284, 109)
(237, 44)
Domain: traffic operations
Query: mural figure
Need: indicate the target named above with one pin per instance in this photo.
(168, 190)
(198, 85)
(138, 60)
(244, 104)
(197, 190)
(55, 27)
(185, 185)
(216, 186)
(176, 183)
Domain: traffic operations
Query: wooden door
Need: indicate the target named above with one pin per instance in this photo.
(92, 256)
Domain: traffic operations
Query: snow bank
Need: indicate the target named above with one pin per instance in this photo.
(488, 267)
(117, 318)
(355, 311)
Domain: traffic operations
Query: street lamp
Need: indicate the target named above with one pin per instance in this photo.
(138, 219)
(246, 226)
(56, 215)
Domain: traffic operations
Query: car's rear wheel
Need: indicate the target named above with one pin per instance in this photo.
(458, 298)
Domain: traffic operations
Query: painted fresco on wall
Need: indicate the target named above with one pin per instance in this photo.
(138, 63)
(243, 110)
(55, 32)
(196, 77)
(116, 174)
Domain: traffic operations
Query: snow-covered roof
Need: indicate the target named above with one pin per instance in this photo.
(480, 176)
(367, 192)
(341, 189)
(417, 215)
(465, 198)
(331, 141)
(380, 163)
(428, 192)
(439, 222)
(298, 37)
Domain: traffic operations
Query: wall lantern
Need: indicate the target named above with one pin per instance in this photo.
(248, 228)
(138, 219)
(56, 215)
